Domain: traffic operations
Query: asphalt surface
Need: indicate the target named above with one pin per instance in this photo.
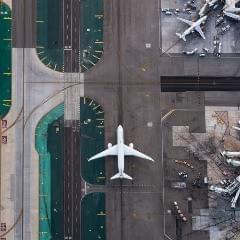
(72, 168)
(197, 83)
(72, 182)
(24, 24)
(127, 84)
(71, 35)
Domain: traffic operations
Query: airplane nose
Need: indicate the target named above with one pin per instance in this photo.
(120, 127)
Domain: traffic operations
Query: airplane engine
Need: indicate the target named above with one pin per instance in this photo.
(109, 145)
(131, 145)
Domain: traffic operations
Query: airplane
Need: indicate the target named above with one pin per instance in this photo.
(230, 6)
(194, 26)
(237, 128)
(120, 150)
(232, 188)
(233, 162)
(230, 154)
(230, 9)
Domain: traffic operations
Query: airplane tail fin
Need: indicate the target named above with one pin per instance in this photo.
(123, 175)
(181, 36)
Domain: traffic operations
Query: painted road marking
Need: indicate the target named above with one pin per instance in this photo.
(101, 214)
(91, 62)
(43, 59)
(96, 107)
(96, 57)
(84, 66)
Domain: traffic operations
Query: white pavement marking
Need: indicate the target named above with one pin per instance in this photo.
(28, 80)
(73, 94)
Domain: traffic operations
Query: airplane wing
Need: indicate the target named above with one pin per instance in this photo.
(185, 21)
(203, 9)
(232, 15)
(112, 151)
(199, 30)
(128, 151)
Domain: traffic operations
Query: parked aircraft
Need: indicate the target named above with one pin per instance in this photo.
(233, 162)
(194, 26)
(120, 150)
(232, 188)
(231, 10)
(237, 128)
(230, 154)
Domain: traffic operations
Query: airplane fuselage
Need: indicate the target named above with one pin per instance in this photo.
(231, 154)
(120, 142)
(233, 162)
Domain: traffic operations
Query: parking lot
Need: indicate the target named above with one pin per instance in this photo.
(170, 25)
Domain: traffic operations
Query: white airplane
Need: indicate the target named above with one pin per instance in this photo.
(230, 9)
(237, 128)
(230, 6)
(194, 26)
(230, 154)
(234, 187)
(120, 150)
(233, 162)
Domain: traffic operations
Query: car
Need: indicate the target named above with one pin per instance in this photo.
(224, 29)
(219, 21)
(165, 9)
(216, 42)
(183, 175)
(168, 13)
(190, 52)
(219, 49)
(205, 50)
(202, 54)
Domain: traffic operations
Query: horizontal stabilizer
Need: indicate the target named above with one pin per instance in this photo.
(181, 36)
(119, 175)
